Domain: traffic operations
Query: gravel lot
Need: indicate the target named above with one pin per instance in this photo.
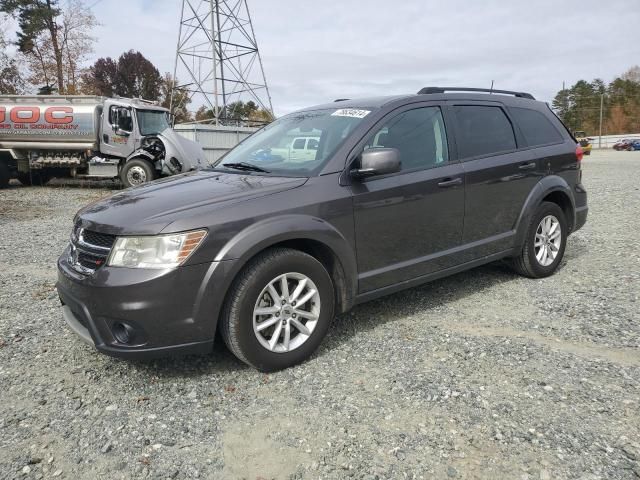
(481, 375)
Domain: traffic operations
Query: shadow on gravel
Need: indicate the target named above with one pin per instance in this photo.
(376, 313)
(220, 361)
(371, 315)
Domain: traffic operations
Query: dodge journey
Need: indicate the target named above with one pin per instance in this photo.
(319, 211)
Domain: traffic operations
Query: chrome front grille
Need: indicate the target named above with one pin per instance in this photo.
(89, 249)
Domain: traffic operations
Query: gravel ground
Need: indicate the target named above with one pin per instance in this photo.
(481, 375)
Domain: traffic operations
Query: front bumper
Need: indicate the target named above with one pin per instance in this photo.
(167, 312)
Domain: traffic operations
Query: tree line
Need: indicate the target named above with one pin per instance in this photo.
(53, 45)
(579, 106)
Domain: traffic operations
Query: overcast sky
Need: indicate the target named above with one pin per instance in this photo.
(316, 51)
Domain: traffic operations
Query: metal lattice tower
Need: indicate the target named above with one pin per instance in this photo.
(217, 59)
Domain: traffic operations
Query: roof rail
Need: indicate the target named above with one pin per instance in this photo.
(341, 99)
(431, 90)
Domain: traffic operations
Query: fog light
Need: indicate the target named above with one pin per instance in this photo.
(122, 333)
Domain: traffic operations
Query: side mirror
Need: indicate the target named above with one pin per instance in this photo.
(378, 161)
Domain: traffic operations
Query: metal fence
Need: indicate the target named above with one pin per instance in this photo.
(216, 140)
(607, 141)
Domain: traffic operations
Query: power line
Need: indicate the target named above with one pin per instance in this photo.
(93, 4)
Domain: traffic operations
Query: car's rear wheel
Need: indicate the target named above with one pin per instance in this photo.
(544, 244)
(278, 310)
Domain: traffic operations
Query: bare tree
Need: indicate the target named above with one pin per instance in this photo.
(11, 81)
(633, 74)
(55, 51)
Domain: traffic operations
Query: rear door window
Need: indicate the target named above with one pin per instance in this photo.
(483, 130)
(535, 126)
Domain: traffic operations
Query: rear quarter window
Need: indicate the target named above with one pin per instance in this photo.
(535, 126)
(483, 130)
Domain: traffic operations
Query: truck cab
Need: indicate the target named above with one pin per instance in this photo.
(140, 133)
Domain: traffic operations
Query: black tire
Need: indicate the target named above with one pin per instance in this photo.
(140, 169)
(236, 323)
(526, 262)
(5, 174)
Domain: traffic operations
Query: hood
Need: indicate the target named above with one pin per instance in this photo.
(188, 152)
(149, 208)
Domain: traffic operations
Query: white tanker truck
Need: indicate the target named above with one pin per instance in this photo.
(90, 137)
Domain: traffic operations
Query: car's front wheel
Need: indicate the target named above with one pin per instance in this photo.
(278, 310)
(545, 242)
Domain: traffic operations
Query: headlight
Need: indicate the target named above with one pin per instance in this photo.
(161, 251)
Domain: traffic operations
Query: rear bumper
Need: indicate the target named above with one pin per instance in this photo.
(581, 217)
(167, 312)
(581, 208)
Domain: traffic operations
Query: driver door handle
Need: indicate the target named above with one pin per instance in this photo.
(450, 182)
(527, 166)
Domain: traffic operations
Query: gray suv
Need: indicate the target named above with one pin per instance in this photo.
(268, 245)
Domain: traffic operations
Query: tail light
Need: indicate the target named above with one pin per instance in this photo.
(579, 153)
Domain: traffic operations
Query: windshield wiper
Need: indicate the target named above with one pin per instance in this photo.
(249, 167)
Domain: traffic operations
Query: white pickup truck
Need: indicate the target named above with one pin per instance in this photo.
(301, 149)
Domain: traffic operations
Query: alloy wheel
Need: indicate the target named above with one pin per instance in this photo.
(286, 312)
(548, 240)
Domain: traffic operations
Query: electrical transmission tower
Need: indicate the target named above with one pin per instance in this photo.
(217, 59)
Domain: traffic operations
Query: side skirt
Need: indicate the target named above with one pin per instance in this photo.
(381, 292)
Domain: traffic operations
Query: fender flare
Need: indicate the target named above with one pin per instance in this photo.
(547, 185)
(269, 232)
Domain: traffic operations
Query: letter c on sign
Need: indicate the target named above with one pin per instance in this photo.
(66, 117)
(3, 114)
(18, 114)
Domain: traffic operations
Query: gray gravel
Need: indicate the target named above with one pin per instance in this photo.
(481, 375)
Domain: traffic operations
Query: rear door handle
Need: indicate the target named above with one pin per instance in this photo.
(528, 166)
(450, 182)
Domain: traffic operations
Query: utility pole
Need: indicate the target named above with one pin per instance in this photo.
(217, 58)
(601, 108)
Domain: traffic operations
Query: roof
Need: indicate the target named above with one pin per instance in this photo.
(377, 102)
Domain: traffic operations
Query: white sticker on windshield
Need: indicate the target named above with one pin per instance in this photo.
(351, 112)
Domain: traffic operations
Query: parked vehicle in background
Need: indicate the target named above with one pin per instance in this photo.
(401, 190)
(90, 137)
(293, 149)
(635, 145)
(584, 141)
(624, 144)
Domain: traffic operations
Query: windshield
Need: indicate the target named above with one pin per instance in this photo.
(152, 122)
(296, 145)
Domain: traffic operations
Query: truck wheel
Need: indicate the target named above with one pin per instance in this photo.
(545, 242)
(5, 175)
(136, 172)
(278, 310)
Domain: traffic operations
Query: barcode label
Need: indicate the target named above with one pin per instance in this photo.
(351, 112)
